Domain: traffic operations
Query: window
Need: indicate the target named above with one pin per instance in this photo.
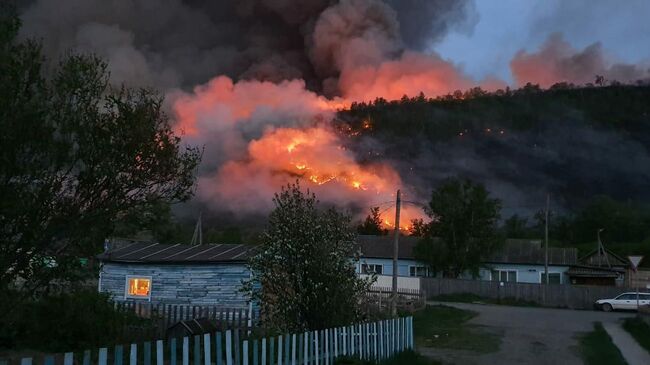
(372, 269)
(419, 271)
(626, 297)
(138, 287)
(553, 278)
(504, 275)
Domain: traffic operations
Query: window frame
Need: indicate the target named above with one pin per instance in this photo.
(506, 271)
(367, 265)
(541, 277)
(427, 273)
(140, 297)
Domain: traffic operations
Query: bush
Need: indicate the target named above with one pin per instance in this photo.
(67, 322)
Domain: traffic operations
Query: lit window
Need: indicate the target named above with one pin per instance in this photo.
(138, 287)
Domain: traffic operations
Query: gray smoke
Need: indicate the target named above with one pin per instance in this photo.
(174, 43)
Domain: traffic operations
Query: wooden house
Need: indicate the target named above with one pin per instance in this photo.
(209, 274)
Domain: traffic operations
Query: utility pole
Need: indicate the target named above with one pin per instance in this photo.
(548, 202)
(393, 305)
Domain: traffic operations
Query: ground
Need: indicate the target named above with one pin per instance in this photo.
(528, 335)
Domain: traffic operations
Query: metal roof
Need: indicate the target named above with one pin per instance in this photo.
(512, 252)
(382, 246)
(148, 252)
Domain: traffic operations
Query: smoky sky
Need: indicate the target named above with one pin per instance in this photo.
(173, 43)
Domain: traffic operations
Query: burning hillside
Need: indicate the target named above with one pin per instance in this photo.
(258, 82)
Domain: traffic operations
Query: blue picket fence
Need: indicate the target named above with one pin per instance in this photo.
(372, 341)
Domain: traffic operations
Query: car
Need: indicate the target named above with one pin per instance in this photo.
(625, 301)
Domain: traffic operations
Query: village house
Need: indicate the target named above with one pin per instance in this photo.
(209, 274)
(519, 261)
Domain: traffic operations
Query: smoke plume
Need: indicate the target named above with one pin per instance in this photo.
(557, 61)
(257, 83)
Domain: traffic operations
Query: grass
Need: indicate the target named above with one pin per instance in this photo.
(444, 327)
(408, 357)
(640, 330)
(473, 298)
(597, 348)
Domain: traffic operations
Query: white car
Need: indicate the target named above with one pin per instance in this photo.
(626, 301)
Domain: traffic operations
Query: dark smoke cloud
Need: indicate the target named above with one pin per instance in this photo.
(175, 43)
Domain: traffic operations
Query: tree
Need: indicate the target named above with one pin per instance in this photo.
(516, 227)
(77, 157)
(372, 224)
(463, 228)
(304, 276)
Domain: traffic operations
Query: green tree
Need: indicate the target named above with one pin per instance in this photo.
(77, 157)
(372, 224)
(463, 228)
(304, 276)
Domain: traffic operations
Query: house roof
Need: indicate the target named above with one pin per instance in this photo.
(593, 259)
(532, 252)
(381, 247)
(148, 252)
(513, 251)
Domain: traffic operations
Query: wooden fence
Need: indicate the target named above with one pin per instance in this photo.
(169, 314)
(553, 295)
(373, 341)
(408, 299)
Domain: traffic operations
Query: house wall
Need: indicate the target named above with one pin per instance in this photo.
(209, 284)
(402, 265)
(526, 273)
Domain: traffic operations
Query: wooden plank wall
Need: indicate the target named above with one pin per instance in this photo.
(372, 341)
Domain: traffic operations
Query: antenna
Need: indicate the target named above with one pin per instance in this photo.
(197, 237)
(601, 251)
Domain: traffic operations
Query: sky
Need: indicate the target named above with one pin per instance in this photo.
(506, 26)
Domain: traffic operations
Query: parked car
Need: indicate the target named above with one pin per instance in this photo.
(625, 301)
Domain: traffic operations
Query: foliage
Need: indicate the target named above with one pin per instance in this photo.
(77, 157)
(303, 275)
(372, 224)
(516, 227)
(596, 347)
(640, 330)
(72, 321)
(444, 327)
(463, 228)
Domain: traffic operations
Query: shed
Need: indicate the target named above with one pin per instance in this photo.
(191, 327)
(209, 274)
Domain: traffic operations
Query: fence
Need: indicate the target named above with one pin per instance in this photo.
(409, 299)
(554, 295)
(166, 315)
(370, 341)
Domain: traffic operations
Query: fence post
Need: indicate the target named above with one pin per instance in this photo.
(133, 356)
(218, 348)
(172, 352)
(293, 349)
(186, 351)
(306, 348)
(264, 351)
(26, 361)
(228, 348)
(280, 349)
(244, 353)
(255, 352)
(207, 359)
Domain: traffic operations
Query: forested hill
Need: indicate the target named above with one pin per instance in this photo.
(475, 111)
(576, 143)
(588, 147)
